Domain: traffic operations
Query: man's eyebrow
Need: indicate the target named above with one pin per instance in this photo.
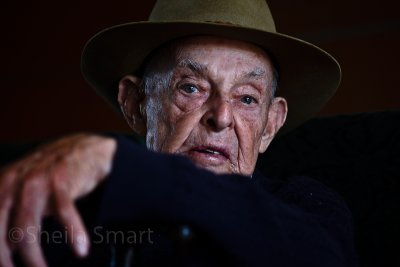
(194, 66)
(201, 69)
(256, 74)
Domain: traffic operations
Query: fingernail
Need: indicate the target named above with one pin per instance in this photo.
(82, 247)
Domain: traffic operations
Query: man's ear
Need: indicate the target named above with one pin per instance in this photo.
(131, 100)
(276, 118)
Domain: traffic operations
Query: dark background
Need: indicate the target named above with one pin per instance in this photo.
(43, 93)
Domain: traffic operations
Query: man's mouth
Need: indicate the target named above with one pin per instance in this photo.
(211, 150)
(209, 155)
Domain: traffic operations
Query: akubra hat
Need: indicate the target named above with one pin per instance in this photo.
(309, 76)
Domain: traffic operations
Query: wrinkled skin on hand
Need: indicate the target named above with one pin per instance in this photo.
(47, 182)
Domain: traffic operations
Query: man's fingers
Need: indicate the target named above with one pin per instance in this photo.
(6, 235)
(6, 202)
(30, 250)
(27, 194)
(5, 258)
(29, 212)
(69, 217)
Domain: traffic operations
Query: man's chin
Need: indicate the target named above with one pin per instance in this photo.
(215, 169)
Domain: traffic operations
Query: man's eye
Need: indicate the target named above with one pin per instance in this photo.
(189, 88)
(248, 100)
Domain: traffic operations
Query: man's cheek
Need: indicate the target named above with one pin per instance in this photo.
(188, 104)
(174, 136)
(248, 142)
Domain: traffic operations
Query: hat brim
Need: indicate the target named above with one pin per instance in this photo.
(309, 76)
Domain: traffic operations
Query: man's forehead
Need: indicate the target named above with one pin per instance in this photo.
(197, 67)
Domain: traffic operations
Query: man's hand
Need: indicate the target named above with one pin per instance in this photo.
(47, 182)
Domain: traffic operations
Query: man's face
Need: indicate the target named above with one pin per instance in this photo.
(216, 109)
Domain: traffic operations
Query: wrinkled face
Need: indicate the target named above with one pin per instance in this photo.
(216, 109)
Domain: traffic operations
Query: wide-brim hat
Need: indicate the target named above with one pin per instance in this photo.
(308, 76)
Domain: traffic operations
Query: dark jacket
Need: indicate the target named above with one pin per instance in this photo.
(196, 218)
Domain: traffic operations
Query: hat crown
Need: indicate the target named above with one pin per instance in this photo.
(250, 14)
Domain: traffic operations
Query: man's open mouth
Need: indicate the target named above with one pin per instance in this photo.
(215, 151)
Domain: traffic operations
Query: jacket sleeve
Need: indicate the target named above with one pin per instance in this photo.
(240, 215)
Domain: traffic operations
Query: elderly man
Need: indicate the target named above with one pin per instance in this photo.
(198, 80)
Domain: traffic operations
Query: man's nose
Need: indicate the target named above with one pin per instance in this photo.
(219, 114)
